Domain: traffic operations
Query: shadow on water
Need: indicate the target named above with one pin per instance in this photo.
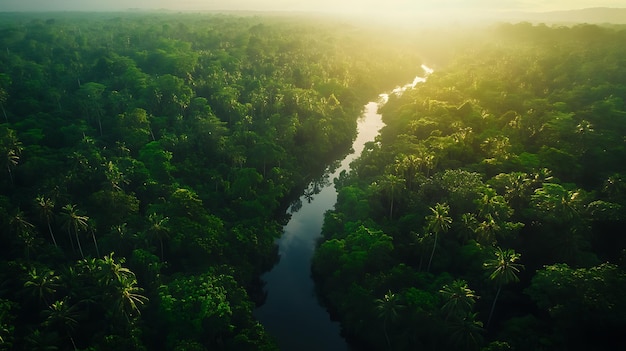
(292, 312)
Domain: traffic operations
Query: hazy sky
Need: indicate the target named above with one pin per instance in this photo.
(353, 6)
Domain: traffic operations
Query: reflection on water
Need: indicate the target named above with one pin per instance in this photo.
(398, 90)
(292, 313)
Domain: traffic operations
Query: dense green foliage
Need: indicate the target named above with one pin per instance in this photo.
(490, 212)
(146, 160)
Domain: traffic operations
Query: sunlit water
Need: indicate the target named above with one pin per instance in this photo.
(292, 313)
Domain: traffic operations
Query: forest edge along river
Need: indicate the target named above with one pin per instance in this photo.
(292, 312)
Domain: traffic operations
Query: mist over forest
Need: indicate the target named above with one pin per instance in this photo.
(151, 157)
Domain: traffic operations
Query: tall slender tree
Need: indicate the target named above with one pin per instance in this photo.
(504, 270)
(409, 166)
(20, 223)
(4, 95)
(74, 222)
(129, 298)
(45, 206)
(62, 317)
(11, 159)
(459, 297)
(438, 222)
(486, 230)
(24, 231)
(10, 149)
(388, 308)
(466, 332)
(158, 229)
(392, 184)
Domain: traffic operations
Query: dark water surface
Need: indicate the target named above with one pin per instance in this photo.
(292, 312)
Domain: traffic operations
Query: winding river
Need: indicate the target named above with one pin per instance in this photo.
(292, 313)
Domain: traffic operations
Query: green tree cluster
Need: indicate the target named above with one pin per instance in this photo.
(147, 159)
(506, 234)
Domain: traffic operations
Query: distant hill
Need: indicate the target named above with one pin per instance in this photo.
(589, 15)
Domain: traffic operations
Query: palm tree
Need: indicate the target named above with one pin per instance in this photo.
(486, 230)
(504, 271)
(10, 149)
(129, 297)
(115, 177)
(112, 271)
(76, 222)
(469, 223)
(41, 284)
(83, 280)
(392, 184)
(459, 297)
(466, 332)
(422, 242)
(585, 131)
(11, 159)
(517, 189)
(438, 222)
(490, 203)
(409, 166)
(24, 231)
(614, 186)
(20, 223)
(46, 207)
(543, 175)
(158, 229)
(3, 99)
(62, 316)
(556, 200)
(429, 163)
(118, 285)
(308, 195)
(387, 308)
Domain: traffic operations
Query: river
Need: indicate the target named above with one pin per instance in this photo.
(292, 313)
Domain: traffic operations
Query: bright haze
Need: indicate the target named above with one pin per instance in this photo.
(369, 6)
(430, 10)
